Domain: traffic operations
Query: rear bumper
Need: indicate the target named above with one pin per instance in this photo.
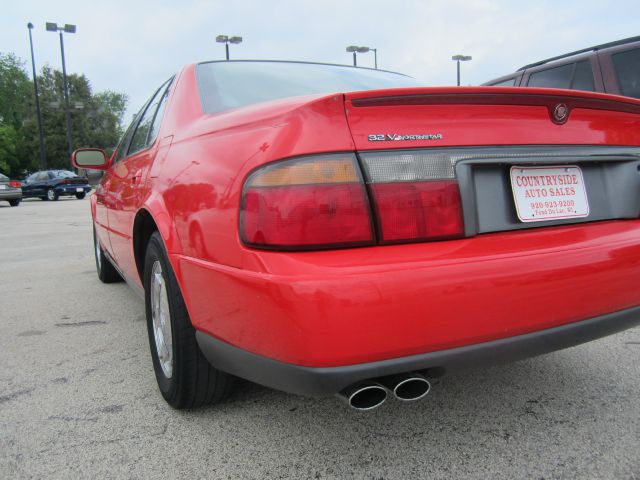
(330, 380)
(72, 189)
(10, 194)
(347, 307)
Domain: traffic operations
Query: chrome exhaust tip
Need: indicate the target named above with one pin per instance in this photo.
(364, 396)
(407, 388)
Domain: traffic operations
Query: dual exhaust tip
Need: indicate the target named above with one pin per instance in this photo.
(371, 394)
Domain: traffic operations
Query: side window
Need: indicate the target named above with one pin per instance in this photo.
(139, 140)
(574, 76)
(42, 177)
(627, 67)
(583, 77)
(143, 138)
(558, 77)
(505, 83)
(157, 119)
(126, 138)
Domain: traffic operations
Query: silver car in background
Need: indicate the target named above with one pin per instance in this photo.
(10, 190)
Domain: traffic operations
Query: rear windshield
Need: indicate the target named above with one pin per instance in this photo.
(226, 85)
(2, 177)
(63, 174)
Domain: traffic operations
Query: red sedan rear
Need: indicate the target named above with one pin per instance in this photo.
(323, 229)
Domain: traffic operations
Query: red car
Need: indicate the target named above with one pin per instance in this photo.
(324, 229)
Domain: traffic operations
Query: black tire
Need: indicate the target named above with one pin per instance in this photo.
(80, 196)
(107, 273)
(193, 382)
(14, 203)
(52, 195)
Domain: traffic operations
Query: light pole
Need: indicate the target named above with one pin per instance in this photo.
(354, 49)
(53, 27)
(227, 40)
(375, 57)
(43, 157)
(458, 59)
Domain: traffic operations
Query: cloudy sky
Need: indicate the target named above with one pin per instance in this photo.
(133, 46)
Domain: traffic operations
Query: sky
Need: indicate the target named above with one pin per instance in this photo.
(134, 46)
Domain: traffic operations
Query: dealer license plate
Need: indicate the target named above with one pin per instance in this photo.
(549, 193)
(79, 189)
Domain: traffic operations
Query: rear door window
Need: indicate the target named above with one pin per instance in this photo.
(505, 83)
(574, 76)
(627, 67)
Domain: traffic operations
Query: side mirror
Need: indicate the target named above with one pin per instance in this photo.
(90, 158)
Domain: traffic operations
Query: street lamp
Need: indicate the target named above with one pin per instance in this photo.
(354, 49)
(458, 59)
(227, 40)
(53, 27)
(43, 157)
(375, 57)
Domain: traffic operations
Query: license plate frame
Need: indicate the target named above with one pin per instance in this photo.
(550, 192)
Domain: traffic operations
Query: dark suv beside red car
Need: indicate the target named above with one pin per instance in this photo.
(610, 68)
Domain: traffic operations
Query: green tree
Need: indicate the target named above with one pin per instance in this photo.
(96, 118)
(14, 108)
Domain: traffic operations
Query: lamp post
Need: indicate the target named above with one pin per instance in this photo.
(227, 40)
(43, 157)
(53, 27)
(354, 49)
(458, 59)
(375, 57)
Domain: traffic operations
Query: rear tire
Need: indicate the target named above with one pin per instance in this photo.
(184, 376)
(52, 195)
(80, 196)
(107, 273)
(14, 203)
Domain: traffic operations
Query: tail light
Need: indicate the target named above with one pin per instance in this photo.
(313, 202)
(65, 182)
(15, 184)
(415, 196)
(322, 201)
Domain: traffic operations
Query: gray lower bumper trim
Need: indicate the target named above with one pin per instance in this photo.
(320, 381)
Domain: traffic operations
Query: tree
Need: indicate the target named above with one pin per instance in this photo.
(14, 89)
(95, 117)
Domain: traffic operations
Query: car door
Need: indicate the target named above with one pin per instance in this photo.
(127, 186)
(38, 186)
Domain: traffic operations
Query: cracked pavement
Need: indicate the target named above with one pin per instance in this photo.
(78, 397)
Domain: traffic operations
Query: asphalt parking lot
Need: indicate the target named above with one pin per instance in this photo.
(78, 396)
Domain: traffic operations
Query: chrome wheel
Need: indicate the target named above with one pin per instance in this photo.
(51, 194)
(161, 318)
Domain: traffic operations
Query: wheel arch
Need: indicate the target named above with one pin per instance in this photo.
(149, 219)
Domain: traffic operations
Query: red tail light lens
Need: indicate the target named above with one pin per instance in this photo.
(418, 211)
(415, 195)
(315, 202)
(15, 184)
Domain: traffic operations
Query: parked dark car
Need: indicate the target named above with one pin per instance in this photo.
(610, 68)
(52, 184)
(10, 190)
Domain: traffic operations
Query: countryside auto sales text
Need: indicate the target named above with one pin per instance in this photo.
(540, 186)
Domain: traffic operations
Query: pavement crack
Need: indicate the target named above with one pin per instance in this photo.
(80, 324)
(16, 394)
